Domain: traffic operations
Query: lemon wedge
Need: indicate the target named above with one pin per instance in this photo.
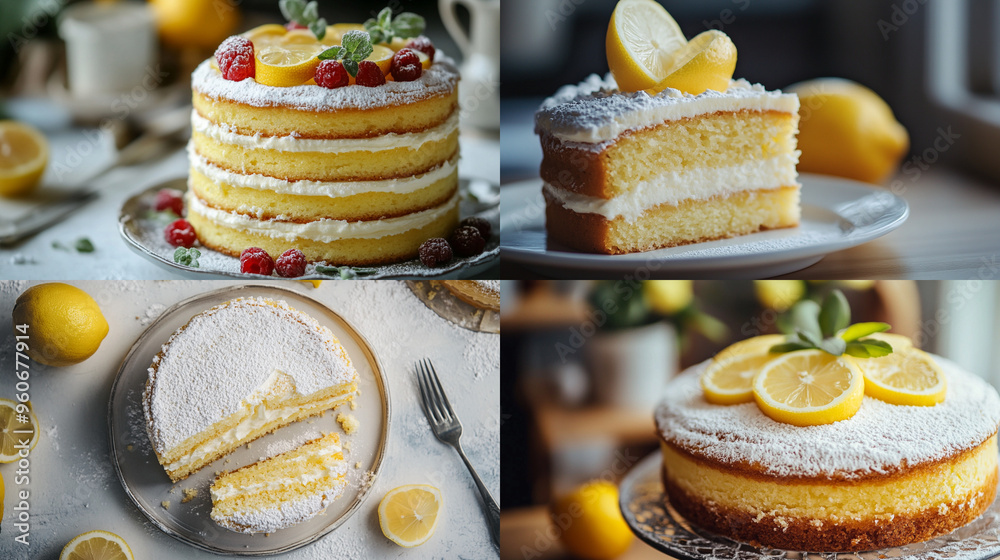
(706, 62)
(382, 56)
(97, 545)
(730, 380)
(408, 515)
(809, 387)
(10, 427)
(287, 65)
(641, 43)
(906, 377)
(265, 35)
(24, 153)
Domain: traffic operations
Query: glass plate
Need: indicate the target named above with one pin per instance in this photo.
(642, 503)
(147, 484)
(441, 301)
(143, 233)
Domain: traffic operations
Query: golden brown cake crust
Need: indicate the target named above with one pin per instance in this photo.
(802, 534)
(591, 232)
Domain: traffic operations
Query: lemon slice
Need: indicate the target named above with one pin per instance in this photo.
(408, 515)
(287, 65)
(265, 35)
(706, 62)
(338, 30)
(907, 377)
(730, 380)
(809, 387)
(898, 342)
(382, 56)
(641, 42)
(755, 345)
(11, 426)
(24, 152)
(306, 37)
(97, 545)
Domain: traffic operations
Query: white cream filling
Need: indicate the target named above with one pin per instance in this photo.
(411, 140)
(673, 188)
(333, 189)
(591, 113)
(337, 469)
(323, 231)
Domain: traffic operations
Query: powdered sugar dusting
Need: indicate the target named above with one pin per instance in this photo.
(438, 80)
(878, 440)
(217, 361)
(491, 286)
(594, 111)
(287, 514)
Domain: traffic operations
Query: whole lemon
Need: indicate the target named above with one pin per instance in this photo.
(65, 325)
(195, 23)
(779, 295)
(846, 129)
(592, 525)
(668, 296)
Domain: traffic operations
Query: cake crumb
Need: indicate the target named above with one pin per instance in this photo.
(249, 444)
(346, 446)
(165, 504)
(173, 490)
(189, 494)
(130, 447)
(348, 422)
(354, 404)
(357, 465)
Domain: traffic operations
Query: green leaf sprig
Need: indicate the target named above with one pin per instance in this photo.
(354, 47)
(345, 272)
(383, 28)
(808, 325)
(303, 13)
(187, 257)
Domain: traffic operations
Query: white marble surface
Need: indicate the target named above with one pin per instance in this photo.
(74, 488)
(35, 256)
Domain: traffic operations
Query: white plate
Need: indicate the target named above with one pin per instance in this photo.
(836, 214)
(146, 483)
(142, 231)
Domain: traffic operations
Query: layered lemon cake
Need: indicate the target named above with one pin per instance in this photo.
(281, 491)
(887, 476)
(236, 372)
(355, 175)
(627, 172)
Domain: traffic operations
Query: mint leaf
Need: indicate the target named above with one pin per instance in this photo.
(805, 318)
(318, 28)
(835, 313)
(59, 246)
(383, 27)
(292, 9)
(861, 330)
(355, 47)
(187, 257)
(833, 346)
(407, 24)
(84, 245)
(310, 12)
(868, 348)
(789, 347)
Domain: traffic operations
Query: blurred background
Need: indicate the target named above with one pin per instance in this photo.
(935, 62)
(579, 381)
(107, 83)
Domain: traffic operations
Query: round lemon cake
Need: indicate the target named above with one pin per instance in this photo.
(355, 175)
(888, 476)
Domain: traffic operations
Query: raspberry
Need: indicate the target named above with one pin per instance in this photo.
(331, 74)
(169, 199)
(291, 264)
(369, 74)
(482, 225)
(180, 234)
(255, 260)
(422, 44)
(293, 25)
(406, 66)
(466, 241)
(235, 58)
(435, 252)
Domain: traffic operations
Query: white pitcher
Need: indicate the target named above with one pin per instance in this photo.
(479, 90)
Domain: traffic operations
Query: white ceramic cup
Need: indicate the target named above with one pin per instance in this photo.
(479, 90)
(109, 46)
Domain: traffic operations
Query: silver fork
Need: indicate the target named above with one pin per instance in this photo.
(446, 426)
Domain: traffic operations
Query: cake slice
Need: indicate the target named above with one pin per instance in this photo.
(629, 172)
(236, 372)
(482, 294)
(281, 491)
